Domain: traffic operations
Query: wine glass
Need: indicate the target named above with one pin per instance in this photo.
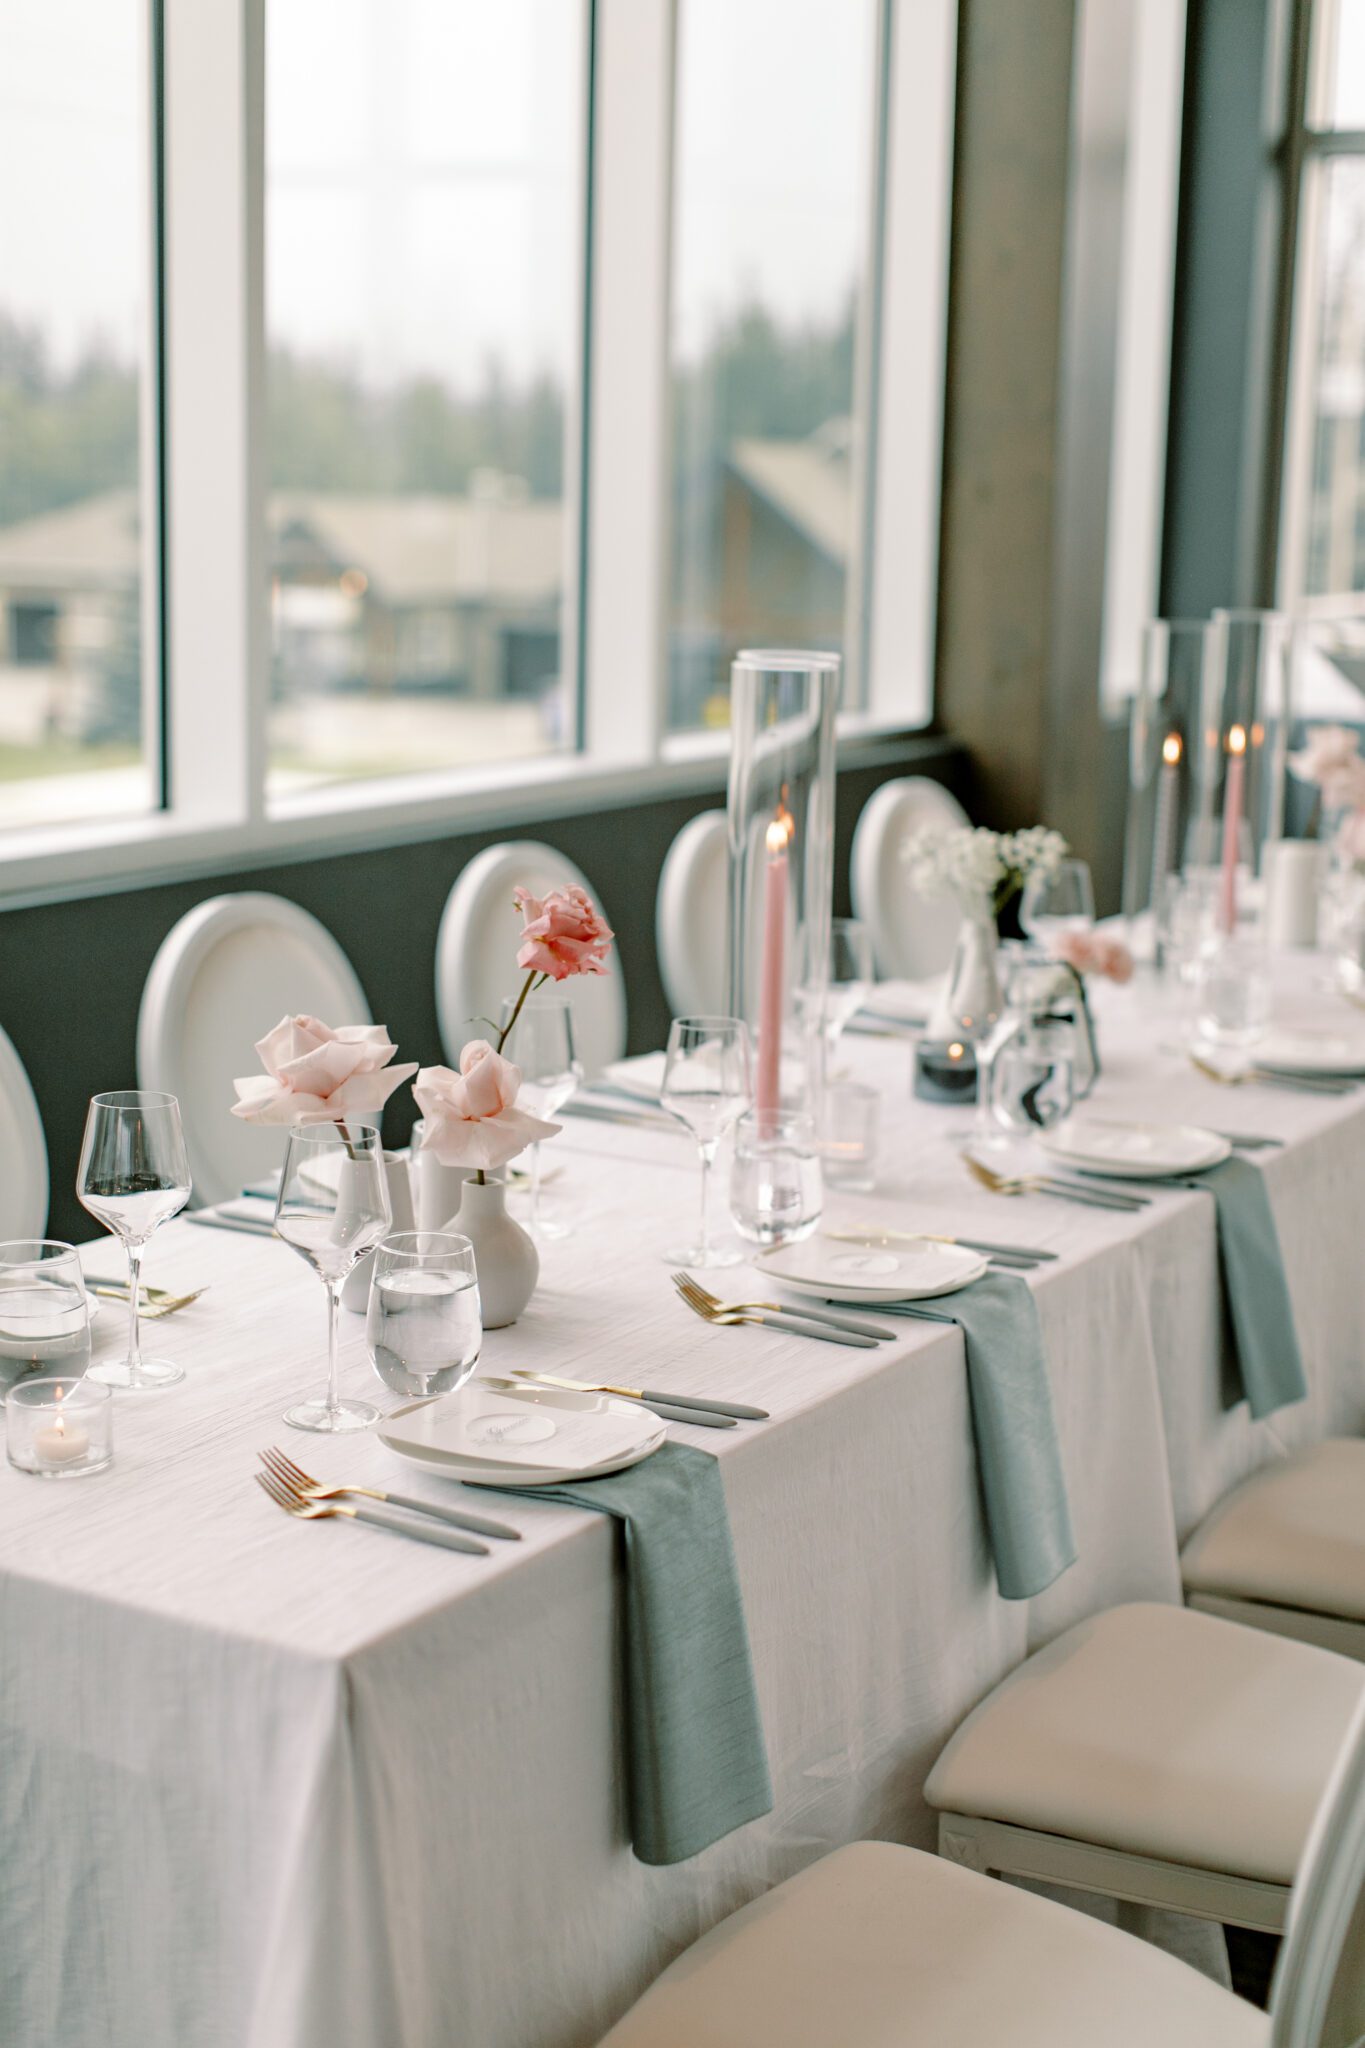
(134, 1176)
(424, 1324)
(708, 1083)
(543, 1047)
(1057, 902)
(849, 977)
(332, 1206)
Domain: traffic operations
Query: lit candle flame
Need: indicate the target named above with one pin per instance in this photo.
(1171, 749)
(955, 1051)
(1237, 739)
(779, 833)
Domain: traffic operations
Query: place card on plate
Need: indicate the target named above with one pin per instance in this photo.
(831, 1270)
(1133, 1151)
(498, 1430)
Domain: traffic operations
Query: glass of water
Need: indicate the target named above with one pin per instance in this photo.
(44, 1312)
(776, 1188)
(1033, 1076)
(1232, 994)
(424, 1326)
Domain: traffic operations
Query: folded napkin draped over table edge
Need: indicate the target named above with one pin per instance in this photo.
(696, 1762)
(1017, 1454)
(1265, 1341)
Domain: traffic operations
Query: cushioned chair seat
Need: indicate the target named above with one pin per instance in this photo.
(882, 1947)
(1292, 1534)
(1161, 1733)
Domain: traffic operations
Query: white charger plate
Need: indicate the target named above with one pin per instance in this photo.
(831, 1270)
(1134, 1151)
(1310, 1051)
(414, 1442)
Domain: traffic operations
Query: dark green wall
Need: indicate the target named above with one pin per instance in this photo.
(71, 974)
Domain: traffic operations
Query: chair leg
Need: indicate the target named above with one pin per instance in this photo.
(999, 1849)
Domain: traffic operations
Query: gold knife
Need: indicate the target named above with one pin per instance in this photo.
(737, 1409)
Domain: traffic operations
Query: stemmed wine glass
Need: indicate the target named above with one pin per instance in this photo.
(134, 1176)
(332, 1206)
(1060, 901)
(708, 1083)
(543, 1048)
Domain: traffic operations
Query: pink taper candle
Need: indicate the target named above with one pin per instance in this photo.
(1233, 797)
(768, 1086)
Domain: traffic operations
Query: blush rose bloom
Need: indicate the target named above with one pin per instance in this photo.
(563, 933)
(1095, 953)
(1330, 757)
(312, 1071)
(471, 1117)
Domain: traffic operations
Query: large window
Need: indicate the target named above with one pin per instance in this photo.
(774, 163)
(510, 364)
(77, 515)
(423, 237)
(1323, 540)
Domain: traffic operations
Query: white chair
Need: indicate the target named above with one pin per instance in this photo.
(223, 977)
(692, 917)
(1152, 1754)
(912, 935)
(476, 952)
(1285, 1550)
(23, 1148)
(877, 1946)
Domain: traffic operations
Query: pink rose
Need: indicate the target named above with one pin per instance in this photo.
(471, 1117)
(563, 933)
(1091, 952)
(312, 1071)
(1330, 757)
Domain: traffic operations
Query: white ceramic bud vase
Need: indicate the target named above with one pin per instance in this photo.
(505, 1258)
(971, 1002)
(355, 1293)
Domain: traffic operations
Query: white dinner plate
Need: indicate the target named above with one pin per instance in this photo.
(1312, 1051)
(1134, 1151)
(534, 1436)
(828, 1269)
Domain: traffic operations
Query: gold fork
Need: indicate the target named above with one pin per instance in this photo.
(1042, 1184)
(689, 1289)
(298, 1481)
(723, 1317)
(152, 1301)
(307, 1510)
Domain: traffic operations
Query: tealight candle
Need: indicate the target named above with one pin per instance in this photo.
(945, 1070)
(59, 1429)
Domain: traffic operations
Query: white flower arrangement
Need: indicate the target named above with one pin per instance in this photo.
(982, 869)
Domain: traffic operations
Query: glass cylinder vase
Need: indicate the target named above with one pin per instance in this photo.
(1248, 741)
(780, 815)
(1172, 777)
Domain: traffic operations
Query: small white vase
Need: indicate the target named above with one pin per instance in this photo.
(505, 1258)
(355, 1294)
(971, 1003)
(436, 1189)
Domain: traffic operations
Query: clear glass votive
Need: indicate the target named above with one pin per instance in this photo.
(60, 1428)
(424, 1325)
(44, 1310)
(1232, 994)
(776, 1189)
(848, 1136)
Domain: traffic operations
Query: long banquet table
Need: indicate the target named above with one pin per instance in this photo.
(274, 1785)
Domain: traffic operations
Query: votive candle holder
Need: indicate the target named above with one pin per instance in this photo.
(59, 1428)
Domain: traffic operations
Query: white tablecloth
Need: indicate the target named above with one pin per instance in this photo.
(268, 1785)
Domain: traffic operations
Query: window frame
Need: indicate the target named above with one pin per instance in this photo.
(206, 586)
(1308, 150)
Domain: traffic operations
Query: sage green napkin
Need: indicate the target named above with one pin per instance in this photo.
(1264, 1338)
(1017, 1453)
(696, 1762)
